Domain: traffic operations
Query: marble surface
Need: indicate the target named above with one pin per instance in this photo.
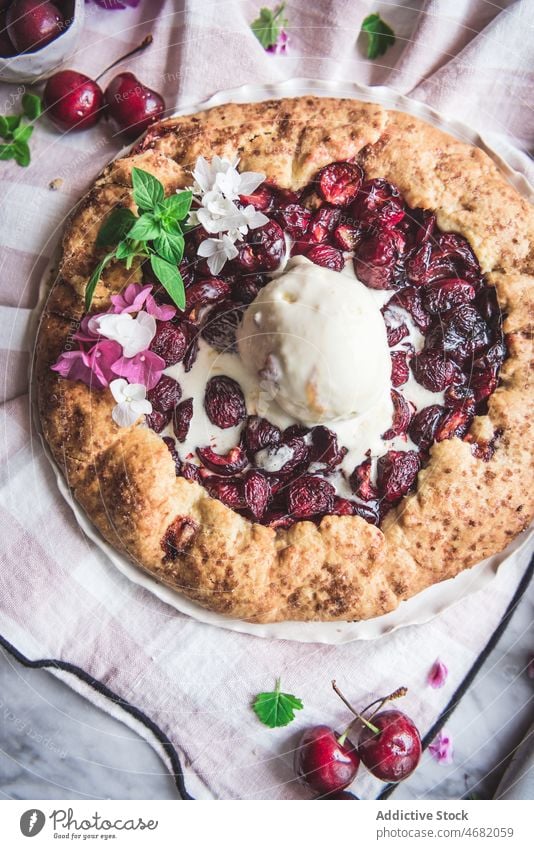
(56, 744)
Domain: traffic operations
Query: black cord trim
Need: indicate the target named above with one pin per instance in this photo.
(473, 672)
(170, 751)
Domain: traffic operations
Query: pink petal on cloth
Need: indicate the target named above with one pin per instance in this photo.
(441, 748)
(115, 5)
(145, 368)
(132, 299)
(102, 356)
(281, 44)
(75, 365)
(438, 674)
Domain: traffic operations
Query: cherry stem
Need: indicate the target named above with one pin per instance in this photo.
(396, 694)
(365, 721)
(146, 42)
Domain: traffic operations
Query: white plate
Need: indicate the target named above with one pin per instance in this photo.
(432, 601)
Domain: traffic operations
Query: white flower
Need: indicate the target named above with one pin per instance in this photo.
(133, 334)
(252, 218)
(219, 216)
(131, 402)
(205, 173)
(222, 175)
(217, 185)
(217, 252)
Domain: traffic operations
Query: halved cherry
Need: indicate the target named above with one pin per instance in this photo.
(340, 182)
(257, 491)
(206, 291)
(399, 368)
(224, 464)
(262, 198)
(230, 492)
(360, 481)
(326, 257)
(402, 415)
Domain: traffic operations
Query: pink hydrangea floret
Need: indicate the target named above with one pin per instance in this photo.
(145, 368)
(136, 297)
(76, 365)
(102, 356)
(438, 674)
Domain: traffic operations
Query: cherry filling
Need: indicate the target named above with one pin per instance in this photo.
(278, 477)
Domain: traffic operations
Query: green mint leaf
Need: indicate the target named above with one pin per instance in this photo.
(380, 35)
(32, 106)
(93, 280)
(276, 709)
(127, 250)
(8, 123)
(22, 153)
(115, 227)
(123, 250)
(170, 278)
(145, 228)
(176, 207)
(267, 27)
(170, 246)
(147, 190)
(7, 151)
(23, 132)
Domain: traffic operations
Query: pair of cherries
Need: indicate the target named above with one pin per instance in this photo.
(389, 745)
(74, 101)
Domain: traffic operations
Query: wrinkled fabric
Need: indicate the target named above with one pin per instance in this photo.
(60, 596)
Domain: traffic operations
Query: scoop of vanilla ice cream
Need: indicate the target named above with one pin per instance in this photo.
(316, 340)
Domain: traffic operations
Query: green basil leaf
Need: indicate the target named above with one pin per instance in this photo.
(147, 190)
(170, 246)
(177, 206)
(32, 106)
(93, 280)
(22, 153)
(7, 151)
(124, 250)
(145, 228)
(115, 227)
(23, 133)
(170, 278)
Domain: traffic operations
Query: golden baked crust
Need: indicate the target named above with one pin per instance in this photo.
(464, 508)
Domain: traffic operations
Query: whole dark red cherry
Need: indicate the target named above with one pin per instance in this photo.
(132, 105)
(6, 47)
(73, 101)
(33, 23)
(325, 761)
(394, 752)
